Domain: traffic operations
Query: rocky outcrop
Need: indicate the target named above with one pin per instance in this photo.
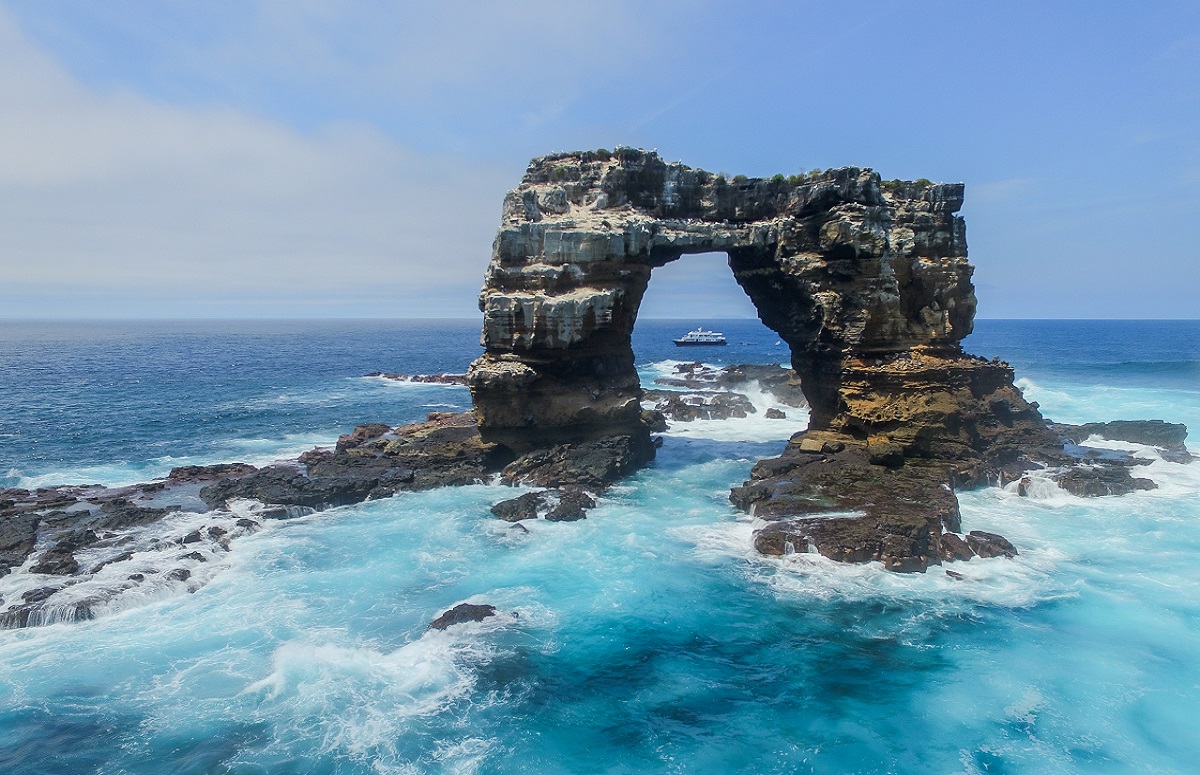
(1167, 437)
(565, 505)
(866, 280)
(461, 614)
(782, 384)
(848, 270)
(688, 407)
(375, 461)
(110, 541)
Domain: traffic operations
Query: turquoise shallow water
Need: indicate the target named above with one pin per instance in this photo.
(647, 638)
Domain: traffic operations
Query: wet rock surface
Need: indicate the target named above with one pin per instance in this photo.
(592, 464)
(841, 505)
(374, 461)
(427, 379)
(687, 407)
(775, 380)
(1167, 437)
(565, 505)
(461, 614)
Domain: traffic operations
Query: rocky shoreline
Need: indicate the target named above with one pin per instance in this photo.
(866, 280)
(81, 548)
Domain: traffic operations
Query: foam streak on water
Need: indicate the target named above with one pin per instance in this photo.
(647, 638)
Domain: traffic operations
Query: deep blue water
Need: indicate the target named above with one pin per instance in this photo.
(647, 638)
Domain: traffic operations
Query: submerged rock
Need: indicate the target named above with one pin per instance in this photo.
(566, 505)
(462, 613)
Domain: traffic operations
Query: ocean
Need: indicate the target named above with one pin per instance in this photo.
(649, 637)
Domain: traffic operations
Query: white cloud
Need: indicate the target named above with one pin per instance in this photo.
(118, 195)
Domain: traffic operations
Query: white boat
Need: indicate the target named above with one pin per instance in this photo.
(700, 337)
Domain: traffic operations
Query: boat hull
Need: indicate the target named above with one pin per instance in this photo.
(698, 344)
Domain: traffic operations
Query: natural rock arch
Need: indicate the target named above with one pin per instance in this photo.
(866, 280)
(853, 273)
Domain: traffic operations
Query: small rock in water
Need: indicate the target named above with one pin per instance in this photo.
(990, 545)
(462, 613)
(774, 414)
(572, 505)
(522, 507)
(953, 547)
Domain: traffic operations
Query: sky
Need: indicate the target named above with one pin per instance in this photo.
(300, 158)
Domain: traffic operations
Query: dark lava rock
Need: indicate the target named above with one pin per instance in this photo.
(654, 420)
(565, 505)
(885, 453)
(774, 414)
(373, 462)
(434, 379)
(903, 510)
(782, 383)
(955, 548)
(39, 594)
(462, 613)
(572, 505)
(686, 407)
(990, 544)
(18, 536)
(56, 563)
(594, 464)
(59, 559)
(216, 531)
(955, 575)
(27, 615)
(122, 513)
(361, 434)
(197, 556)
(286, 485)
(119, 558)
(179, 574)
(1101, 478)
(1154, 433)
(524, 506)
(189, 474)
(192, 537)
